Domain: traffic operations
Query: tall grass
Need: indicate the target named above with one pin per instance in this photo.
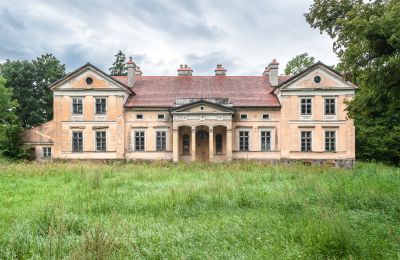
(164, 210)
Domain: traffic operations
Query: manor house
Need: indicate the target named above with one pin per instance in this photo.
(199, 118)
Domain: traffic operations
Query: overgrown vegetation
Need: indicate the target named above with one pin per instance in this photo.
(163, 210)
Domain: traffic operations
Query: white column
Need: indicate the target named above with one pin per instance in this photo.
(175, 145)
(211, 144)
(193, 144)
(228, 144)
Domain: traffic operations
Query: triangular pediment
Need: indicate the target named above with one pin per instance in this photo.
(308, 79)
(202, 106)
(89, 77)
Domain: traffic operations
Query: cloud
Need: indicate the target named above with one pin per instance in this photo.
(161, 34)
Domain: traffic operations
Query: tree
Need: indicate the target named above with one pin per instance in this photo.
(298, 64)
(366, 38)
(30, 83)
(119, 66)
(10, 130)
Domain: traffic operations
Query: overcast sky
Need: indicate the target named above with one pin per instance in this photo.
(244, 36)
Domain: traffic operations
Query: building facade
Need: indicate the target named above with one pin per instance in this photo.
(199, 118)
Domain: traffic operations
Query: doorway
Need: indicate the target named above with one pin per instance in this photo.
(202, 143)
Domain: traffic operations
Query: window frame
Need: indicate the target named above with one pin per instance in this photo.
(96, 141)
(162, 149)
(243, 149)
(310, 104)
(139, 115)
(330, 144)
(262, 143)
(305, 139)
(158, 116)
(135, 141)
(95, 106)
(73, 106)
(245, 115)
(334, 106)
(267, 115)
(219, 150)
(186, 151)
(80, 147)
(46, 152)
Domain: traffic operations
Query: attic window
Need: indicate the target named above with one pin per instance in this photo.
(317, 79)
(89, 80)
(202, 108)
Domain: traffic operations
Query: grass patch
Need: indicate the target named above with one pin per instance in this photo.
(163, 210)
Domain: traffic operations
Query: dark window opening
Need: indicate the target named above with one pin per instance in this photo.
(265, 116)
(46, 152)
(243, 140)
(77, 106)
(185, 144)
(306, 106)
(161, 141)
(218, 143)
(139, 141)
(330, 108)
(101, 106)
(139, 116)
(265, 141)
(101, 141)
(77, 142)
(243, 116)
(317, 79)
(89, 80)
(306, 141)
(330, 141)
(161, 117)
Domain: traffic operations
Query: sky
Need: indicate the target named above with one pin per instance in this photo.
(243, 36)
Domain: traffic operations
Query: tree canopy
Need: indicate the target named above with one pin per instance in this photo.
(119, 66)
(299, 63)
(367, 40)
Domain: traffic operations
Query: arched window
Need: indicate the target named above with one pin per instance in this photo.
(218, 143)
(185, 144)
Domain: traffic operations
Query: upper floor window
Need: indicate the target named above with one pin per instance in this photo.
(330, 141)
(306, 141)
(161, 116)
(243, 116)
(101, 106)
(77, 141)
(265, 140)
(330, 106)
(139, 140)
(161, 140)
(46, 152)
(101, 141)
(243, 140)
(265, 116)
(305, 106)
(77, 106)
(139, 116)
(218, 143)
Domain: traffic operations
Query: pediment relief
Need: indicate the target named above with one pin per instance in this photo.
(202, 107)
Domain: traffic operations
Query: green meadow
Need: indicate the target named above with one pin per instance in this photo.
(198, 211)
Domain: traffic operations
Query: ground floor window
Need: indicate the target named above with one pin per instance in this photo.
(330, 141)
(101, 141)
(46, 152)
(306, 141)
(77, 142)
(265, 140)
(218, 143)
(161, 140)
(243, 140)
(185, 144)
(139, 141)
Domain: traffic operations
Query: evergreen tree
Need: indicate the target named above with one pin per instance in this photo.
(119, 66)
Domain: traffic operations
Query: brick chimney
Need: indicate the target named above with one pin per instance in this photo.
(185, 70)
(131, 66)
(220, 71)
(273, 73)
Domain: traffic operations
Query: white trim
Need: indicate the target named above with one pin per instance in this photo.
(162, 119)
(240, 116)
(238, 138)
(72, 141)
(330, 117)
(139, 119)
(324, 140)
(317, 92)
(72, 106)
(90, 92)
(271, 132)
(306, 116)
(312, 140)
(155, 138)
(134, 139)
(262, 116)
(95, 141)
(94, 112)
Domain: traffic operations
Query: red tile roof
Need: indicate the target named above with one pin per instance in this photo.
(162, 91)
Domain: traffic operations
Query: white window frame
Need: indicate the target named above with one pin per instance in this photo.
(166, 139)
(46, 155)
(95, 141)
(312, 140)
(238, 139)
(72, 141)
(95, 99)
(72, 106)
(334, 116)
(306, 116)
(161, 119)
(139, 118)
(134, 139)
(269, 116)
(335, 136)
(270, 130)
(244, 114)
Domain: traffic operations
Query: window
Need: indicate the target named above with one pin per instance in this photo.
(101, 106)
(185, 144)
(77, 106)
(161, 140)
(101, 141)
(243, 116)
(330, 141)
(243, 140)
(265, 140)
(218, 143)
(201, 108)
(305, 141)
(317, 79)
(305, 106)
(89, 80)
(77, 142)
(139, 116)
(161, 116)
(265, 116)
(46, 152)
(330, 108)
(139, 141)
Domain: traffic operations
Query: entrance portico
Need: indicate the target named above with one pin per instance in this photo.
(202, 131)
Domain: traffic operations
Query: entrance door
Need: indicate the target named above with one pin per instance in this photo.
(202, 146)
